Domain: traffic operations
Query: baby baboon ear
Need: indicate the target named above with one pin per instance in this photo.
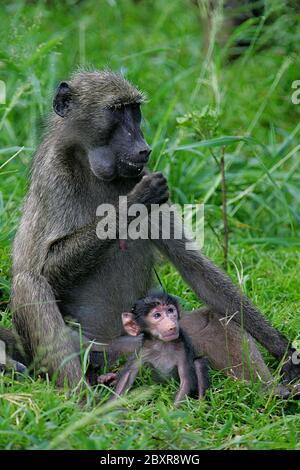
(62, 99)
(130, 325)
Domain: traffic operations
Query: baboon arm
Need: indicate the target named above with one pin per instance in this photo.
(217, 290)
(202, 374)
(13, 344)
(185, 382)
(38, 322)
(126, 378)
(73, 255)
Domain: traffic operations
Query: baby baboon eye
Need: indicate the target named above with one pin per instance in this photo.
(156, 315)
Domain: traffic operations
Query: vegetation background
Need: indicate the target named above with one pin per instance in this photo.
(160, 46)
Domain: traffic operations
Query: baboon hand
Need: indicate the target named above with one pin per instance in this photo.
(107, 379)
(152, 189)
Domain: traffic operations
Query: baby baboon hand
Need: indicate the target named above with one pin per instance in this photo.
(107, 379)
(152, 189)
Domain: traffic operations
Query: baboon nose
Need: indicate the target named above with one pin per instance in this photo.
(145, 153)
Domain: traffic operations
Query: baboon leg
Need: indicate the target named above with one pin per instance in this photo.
(227, 347)
(44, 335)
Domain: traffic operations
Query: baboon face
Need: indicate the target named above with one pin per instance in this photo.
(157, 314)
(161, 322)
(101, 111)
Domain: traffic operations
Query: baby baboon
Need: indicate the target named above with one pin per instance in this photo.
(165, 347)
(94, 152)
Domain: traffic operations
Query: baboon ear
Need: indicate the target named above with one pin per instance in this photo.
(62, 99)
(130, 325)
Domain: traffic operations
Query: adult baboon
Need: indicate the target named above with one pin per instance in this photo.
(94, 152)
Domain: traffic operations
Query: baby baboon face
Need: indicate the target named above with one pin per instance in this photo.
(157, 315)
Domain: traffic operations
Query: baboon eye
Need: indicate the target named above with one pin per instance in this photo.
(156, 315)
(136, 111)
(118, 112)
(171, 310)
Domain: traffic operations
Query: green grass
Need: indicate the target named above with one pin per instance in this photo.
(158, 45)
